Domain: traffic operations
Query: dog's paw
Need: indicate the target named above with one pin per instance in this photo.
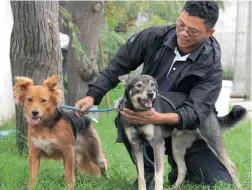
(104, 168)
(174, 187)
(104, 172)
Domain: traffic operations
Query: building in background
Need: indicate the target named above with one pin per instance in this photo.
(6, 101)
(233, 31)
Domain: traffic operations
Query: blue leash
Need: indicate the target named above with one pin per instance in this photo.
(146, 156)
(107, 110)
(90, 110)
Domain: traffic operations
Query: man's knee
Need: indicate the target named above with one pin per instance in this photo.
(204, 168)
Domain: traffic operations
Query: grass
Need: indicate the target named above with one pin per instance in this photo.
(14, 172)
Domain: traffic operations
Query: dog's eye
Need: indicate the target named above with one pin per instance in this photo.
(153, 84)
(139, 85)
(43, 100)
(29, 99)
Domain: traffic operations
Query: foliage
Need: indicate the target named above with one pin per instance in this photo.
(228, 73)
(221, 4)
(120, 15)
(67, 21)
(112, 40)
(124, 14)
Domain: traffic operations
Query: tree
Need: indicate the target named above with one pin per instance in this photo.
(120, 15)
(35, 49)
(88, 17)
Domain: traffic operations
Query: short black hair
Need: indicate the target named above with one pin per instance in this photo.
(206, 10)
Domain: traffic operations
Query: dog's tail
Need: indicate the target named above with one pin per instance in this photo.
(236, 115)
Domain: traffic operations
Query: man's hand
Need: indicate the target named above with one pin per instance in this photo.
(84, 104)
(143, 117)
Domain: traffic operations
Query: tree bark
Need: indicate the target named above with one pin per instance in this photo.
(35, 49)
(88, 16)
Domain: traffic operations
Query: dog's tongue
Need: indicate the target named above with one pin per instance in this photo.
(35, 120)
(148, 103)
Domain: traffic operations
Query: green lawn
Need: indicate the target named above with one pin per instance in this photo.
(14, 173)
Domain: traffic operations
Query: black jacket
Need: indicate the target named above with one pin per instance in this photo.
(201, 80)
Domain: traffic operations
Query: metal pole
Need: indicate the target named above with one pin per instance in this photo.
(102, 61)
(248, 54)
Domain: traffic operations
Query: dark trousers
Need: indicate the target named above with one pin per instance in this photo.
(203, 167)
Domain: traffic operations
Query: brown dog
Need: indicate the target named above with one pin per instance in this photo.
(53, 134)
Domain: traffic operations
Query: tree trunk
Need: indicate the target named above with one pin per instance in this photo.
(88, 17)
(35, 49)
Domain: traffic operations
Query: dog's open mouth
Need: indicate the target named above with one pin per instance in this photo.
(146, 103)
(35, 120)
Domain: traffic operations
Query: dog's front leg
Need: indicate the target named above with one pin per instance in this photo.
(158, 150)
(138, 156)
(34, 162)
(69, 166)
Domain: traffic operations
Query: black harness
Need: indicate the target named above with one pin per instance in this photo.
(78, 125)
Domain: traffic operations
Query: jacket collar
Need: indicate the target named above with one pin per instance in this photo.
(171, 41)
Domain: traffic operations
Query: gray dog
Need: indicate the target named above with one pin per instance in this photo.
(141, 94)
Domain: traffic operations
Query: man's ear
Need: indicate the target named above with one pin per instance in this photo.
(52, 83)
(124, 79)
(210, 33)
(20, 88)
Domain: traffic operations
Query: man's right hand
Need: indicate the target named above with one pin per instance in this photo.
(84, 104)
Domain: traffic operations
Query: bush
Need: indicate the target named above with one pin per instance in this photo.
(228, 73)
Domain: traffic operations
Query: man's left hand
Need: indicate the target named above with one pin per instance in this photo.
(141, 118)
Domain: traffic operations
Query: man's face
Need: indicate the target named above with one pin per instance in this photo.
(191, 30)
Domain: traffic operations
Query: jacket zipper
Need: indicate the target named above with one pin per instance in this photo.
(159, 57)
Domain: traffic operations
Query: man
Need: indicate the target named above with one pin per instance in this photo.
(183, 58)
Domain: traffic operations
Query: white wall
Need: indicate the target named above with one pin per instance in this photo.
(7, 108)
(225, 31)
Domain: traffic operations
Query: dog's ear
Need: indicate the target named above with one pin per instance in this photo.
(20, 88)
(52, 83)
(124, 79)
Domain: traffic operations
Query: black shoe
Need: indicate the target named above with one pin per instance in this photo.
(149, 179)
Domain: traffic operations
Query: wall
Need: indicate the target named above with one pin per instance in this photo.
(6, 98)
(225, 30)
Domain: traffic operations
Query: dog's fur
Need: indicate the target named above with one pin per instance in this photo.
(141, 94)
(51, 135)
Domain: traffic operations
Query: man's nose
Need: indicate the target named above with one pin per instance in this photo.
(184, 33)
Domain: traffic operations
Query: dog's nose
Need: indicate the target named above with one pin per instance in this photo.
(150, 94)
(35, 112)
